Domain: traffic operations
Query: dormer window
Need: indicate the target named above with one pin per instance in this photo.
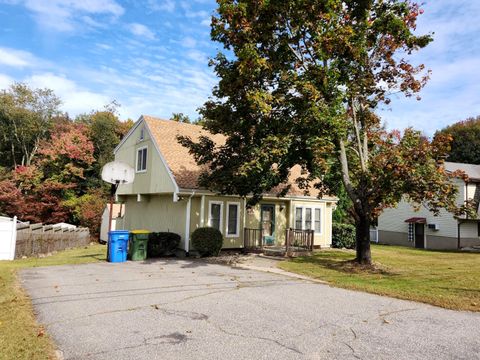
(142, 159)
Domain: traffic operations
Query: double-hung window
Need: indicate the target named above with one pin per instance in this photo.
(318, 221)
(233, 219)
(215, 215)
(298, 218)
(142, 159)
(308, 218)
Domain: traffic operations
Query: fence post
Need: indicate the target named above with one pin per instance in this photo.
(288, 241)
(13, 238)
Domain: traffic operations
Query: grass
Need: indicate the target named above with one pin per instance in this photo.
(447, 279)
(20, 335)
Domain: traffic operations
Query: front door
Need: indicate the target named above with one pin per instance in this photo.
(420, 236)
(268, 224)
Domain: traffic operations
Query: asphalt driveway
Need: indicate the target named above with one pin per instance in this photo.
(180, 309)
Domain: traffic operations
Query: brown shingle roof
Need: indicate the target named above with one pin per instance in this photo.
(182, 164)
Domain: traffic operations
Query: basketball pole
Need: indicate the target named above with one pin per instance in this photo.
(113, 190)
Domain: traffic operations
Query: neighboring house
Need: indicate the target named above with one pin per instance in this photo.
(165, 195)
(117, 220)
(421, 229)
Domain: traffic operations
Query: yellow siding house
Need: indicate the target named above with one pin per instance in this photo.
(165, 195)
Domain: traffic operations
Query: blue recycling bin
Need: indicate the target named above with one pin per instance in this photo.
(117, 245)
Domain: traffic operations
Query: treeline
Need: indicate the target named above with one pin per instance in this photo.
(50, 164)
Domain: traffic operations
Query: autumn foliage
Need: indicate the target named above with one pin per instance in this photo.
(60, 182)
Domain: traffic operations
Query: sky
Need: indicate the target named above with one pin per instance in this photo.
(151, 56)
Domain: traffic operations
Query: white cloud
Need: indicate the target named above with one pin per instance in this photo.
(451, 94)
(198, 56)
(65, 15)
(206, 22)
(141, 30)
(104, 46)
(5, 81)
(15, 58)
(189, 42)
(161, 5)
(76, 100)
(18, 58)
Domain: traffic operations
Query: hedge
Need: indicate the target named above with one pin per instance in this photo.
(343, 236)
(162, 243)
(207, 241)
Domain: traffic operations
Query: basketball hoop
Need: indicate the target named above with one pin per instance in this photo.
(116, 173)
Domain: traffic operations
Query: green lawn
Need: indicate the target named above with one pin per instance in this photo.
(20, 336)
(442, 278)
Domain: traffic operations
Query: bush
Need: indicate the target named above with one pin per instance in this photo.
(162, 243)
(343, 236)
(207, 241)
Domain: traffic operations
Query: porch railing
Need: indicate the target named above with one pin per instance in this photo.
(253, 239)
(299, 240)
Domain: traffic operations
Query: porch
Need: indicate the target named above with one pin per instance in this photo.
(297, 242)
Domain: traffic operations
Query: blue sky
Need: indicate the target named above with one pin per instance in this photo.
(151, 56)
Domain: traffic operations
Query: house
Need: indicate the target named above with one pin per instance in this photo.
(422, 229)
(118, 210)
(165, 195)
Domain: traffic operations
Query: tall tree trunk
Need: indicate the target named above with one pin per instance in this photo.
(362, 224)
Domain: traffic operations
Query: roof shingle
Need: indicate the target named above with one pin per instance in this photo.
(182, 164)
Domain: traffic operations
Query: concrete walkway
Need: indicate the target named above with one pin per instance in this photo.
(181, 309)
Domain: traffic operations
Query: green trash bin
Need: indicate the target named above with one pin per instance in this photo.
(137, 245)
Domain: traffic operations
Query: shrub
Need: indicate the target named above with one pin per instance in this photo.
(162, 243)
(343, 236)
(207, 241)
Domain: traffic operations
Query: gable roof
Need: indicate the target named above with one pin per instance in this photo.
(182, 164)
(472, 170)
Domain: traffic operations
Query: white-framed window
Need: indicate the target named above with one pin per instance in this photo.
(142, 134)
(317, 226)
(233, 219)
(411, 232)
(308, 218)
(215, 215)
(299, 218)
(141, 159)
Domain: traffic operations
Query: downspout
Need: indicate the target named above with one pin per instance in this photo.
(187, 223)
(202, 211)
(458, 234)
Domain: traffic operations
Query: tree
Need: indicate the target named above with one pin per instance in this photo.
(105, 130)
(24, 192)
(39, 192)
(87, 210)
(180, 117)
(299, 84)
(67, 154)
(465, 147)
(26, 117)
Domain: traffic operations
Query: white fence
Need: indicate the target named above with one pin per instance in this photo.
(374, 235)
(8, 237)
(18, 239)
